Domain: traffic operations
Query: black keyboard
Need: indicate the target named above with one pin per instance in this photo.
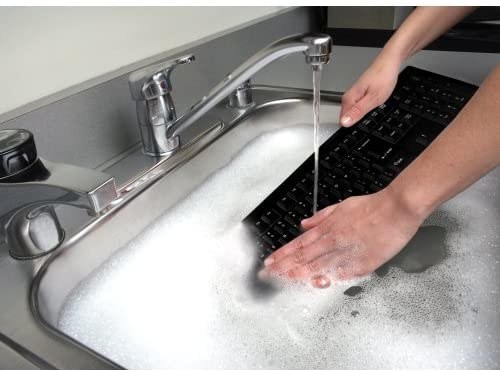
(364, 158)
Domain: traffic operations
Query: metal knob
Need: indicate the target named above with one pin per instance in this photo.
(17, 151)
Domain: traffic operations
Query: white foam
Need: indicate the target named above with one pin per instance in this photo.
(187, 304)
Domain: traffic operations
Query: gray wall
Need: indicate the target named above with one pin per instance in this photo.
(93, 126)
(96, 125)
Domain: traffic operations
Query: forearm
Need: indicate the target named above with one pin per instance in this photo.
(465, 151)
(422, 27)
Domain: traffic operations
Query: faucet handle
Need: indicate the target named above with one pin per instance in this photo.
(154, 81)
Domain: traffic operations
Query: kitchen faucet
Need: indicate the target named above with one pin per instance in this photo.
(162, 131)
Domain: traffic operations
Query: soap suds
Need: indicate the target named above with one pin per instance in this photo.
(179, 296)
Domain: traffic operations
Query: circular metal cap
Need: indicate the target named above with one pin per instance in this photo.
(17, 151)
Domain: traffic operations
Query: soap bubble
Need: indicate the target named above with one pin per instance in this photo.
(192, 300)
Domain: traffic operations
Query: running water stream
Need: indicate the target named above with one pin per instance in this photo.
(316, 102)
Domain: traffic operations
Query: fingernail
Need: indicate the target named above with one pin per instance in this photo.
(345, 120)
(323, 283)
(263, 274)
(268, 261)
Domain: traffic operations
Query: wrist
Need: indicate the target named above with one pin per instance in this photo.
(409, 202)
(391, 54)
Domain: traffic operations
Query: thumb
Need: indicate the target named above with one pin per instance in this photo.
(359, 109)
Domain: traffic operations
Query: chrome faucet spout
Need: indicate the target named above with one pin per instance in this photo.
(60, 184)
(31, 187)
(162, 132)
(317, 49)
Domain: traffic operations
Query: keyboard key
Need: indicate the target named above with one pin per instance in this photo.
(423, 140)
(326, 164)
(367, 125)
(262, 244)
(265, 221)
(384, 107)
(344, 184)
(360, 149)
(355, 173)
(393, 136)
(282, 206)
(269, 241)
(401, 126)
(303, 187)
(368, 176)
(409, 117)
(292, 196)
(451, 107)
(348, 162)
(384, 179)
(378, 167)
(374, 155)
(291, 221)
(364, 163)
(376, 115)
(357, 134)
(337, 153)
(399, 161)
(358, 186)
(270, 217)
(336, 194)
(323, 203)
(348, 141)
(278, 230)
(294, 232)
(338, 171)
(389, 122)
(301, 211)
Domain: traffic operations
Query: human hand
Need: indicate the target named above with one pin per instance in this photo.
(372, 89)
(346, 240)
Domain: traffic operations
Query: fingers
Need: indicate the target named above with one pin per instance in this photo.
(338, 266)
(296, 247)
(314, 268)
(319, 217)
(358, 109)
(299, 261)
(353, 95)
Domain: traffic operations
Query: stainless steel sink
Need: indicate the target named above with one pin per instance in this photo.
(164, 281)
(282, 120)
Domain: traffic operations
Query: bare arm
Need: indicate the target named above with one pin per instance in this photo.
(423, 26)
(355, 237)
(465, 151)
(376, 84)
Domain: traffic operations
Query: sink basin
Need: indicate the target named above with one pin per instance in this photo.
(166, 282)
